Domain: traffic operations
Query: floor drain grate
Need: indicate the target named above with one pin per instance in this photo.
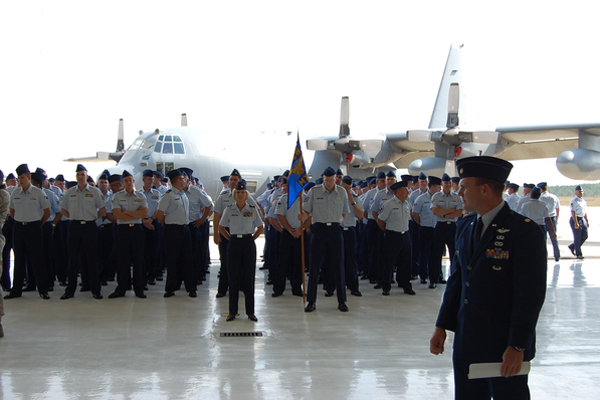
(241, 334)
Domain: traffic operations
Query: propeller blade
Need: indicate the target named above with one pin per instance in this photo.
(345, 117)
(121, 137)
(419, 135)
(453, 104)
(317, 144)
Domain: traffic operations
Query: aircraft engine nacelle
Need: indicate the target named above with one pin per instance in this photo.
(579, 164)
(429, 165)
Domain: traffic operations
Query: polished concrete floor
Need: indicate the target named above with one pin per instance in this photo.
(158, 348)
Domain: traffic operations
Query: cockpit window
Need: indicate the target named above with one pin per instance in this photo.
(169, 144)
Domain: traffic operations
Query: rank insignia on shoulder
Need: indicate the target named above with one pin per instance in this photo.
(168, 191)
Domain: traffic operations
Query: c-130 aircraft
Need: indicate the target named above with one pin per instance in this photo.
(433, 150)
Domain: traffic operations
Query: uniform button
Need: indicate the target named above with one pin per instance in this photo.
(466, 301)
(469, 267)
(468, 284)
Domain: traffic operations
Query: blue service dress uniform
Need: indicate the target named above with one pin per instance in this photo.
(443, 235)
(241, 253)
(151, 236)
(579, 206)
(82, 239)
(129, 243)
(327, 245)
(178, 242)
(493, 297)
(396, 244)
(28, 206)
(290, 249)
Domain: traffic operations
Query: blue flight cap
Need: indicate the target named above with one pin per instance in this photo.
(364, 185)
(70, 184)
(339, 172)
(80, 168)
(126, 174)
(241, 185)
(513, 186)
(309, 186)
(422, 176)
(148, 173)
(224, 178)
(398, 185)
(38, 177)
(542, 185)
(535, 193)
(174, 173)
(487, 167)
(187, 171)
(528, 185)
(455, 179)
(329, 171)
(434, 180)
(406, 178)
(159, 174)
(11, 176)
(381, 175)
(40, 171)
(391, 174)
(445, 178)
(104, 176)
(235, 173)
(347, 180)
(319, 181)
(115, 178)
(578, 187)
(415, 179)
(90, 180)
(22, 169)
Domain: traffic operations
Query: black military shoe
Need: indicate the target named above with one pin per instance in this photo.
(310, 307)
(343, 307)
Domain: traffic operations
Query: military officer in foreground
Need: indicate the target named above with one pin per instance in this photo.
(497, 286)
(30, 209)
(173, 213)
(83, 205)
(579, 222)
(129, 207)
(328, 205)
(393, 220)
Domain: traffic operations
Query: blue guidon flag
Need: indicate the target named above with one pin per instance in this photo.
(298, 177)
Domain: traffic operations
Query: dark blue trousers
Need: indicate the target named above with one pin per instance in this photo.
(83, 243)
(327, 247)
(514, 388)
(241, 265)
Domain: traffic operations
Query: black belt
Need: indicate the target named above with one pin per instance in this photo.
(83, 222)
(129, 225)
(249, 235)
(446, 222)
(27, 223)
(328, 223)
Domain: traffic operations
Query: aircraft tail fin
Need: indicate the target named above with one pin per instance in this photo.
(452, 77)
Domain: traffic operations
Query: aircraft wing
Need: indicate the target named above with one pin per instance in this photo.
(100, 156)
(532, 142)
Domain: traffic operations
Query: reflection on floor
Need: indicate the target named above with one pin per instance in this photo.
(158, 348)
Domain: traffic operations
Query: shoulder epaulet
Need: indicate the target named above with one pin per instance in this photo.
(168, 191)
(251, 206)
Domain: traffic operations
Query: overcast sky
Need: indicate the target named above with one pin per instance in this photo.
(71, 69)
